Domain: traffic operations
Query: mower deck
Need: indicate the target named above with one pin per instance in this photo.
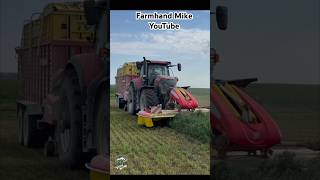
(147, 119)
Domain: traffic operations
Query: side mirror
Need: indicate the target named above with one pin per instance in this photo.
(92, 12)
(222, 17)
(179, 67)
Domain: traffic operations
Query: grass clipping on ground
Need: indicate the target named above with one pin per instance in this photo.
(158, 150)
(284, 166)
(193, 124)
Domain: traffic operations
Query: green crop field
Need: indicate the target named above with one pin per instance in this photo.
(161, 150)
(18, 162)
(202, 95)
(294, 107)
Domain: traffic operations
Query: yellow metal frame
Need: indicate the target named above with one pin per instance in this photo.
(97, 174)
(148, 120)
(94, 175)
(145, 121)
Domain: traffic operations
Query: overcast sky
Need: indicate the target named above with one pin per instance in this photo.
(12, 15)
(276, 41)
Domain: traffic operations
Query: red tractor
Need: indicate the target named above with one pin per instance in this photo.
(155, 86)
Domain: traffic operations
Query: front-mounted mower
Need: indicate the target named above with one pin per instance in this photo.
(238, 122)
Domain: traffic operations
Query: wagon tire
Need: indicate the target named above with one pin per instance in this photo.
(49, 148)
(120, 103)
(267, 153)
(29, 130)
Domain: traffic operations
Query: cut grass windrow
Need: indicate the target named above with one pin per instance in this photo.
(159, 150)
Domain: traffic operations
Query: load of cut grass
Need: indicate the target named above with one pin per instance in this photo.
(193, 124)
(313, 144)
(282, 165)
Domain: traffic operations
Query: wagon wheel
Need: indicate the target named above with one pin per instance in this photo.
(267, 153)
(252, 153)
(49, 148)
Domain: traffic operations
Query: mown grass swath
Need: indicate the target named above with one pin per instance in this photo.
(284, 166)
(193, 124)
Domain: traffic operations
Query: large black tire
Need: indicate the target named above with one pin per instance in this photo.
(20, 115)
(102, 122)
(69, 126)
(131, 103)
(49, 148)
(122, 103)
(29, 130)
(148, 98)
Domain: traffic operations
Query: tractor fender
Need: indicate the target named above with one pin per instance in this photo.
(88, 67)
(90, 71)
(136, 84)
(93, 94)
(126, 93)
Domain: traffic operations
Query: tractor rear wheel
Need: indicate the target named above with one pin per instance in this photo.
(148, 98)
(68, 130)
(131, 103)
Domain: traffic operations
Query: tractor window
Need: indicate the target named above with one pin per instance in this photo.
(155, 70)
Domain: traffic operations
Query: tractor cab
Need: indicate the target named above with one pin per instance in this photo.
(155, 70)
(152, 72)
